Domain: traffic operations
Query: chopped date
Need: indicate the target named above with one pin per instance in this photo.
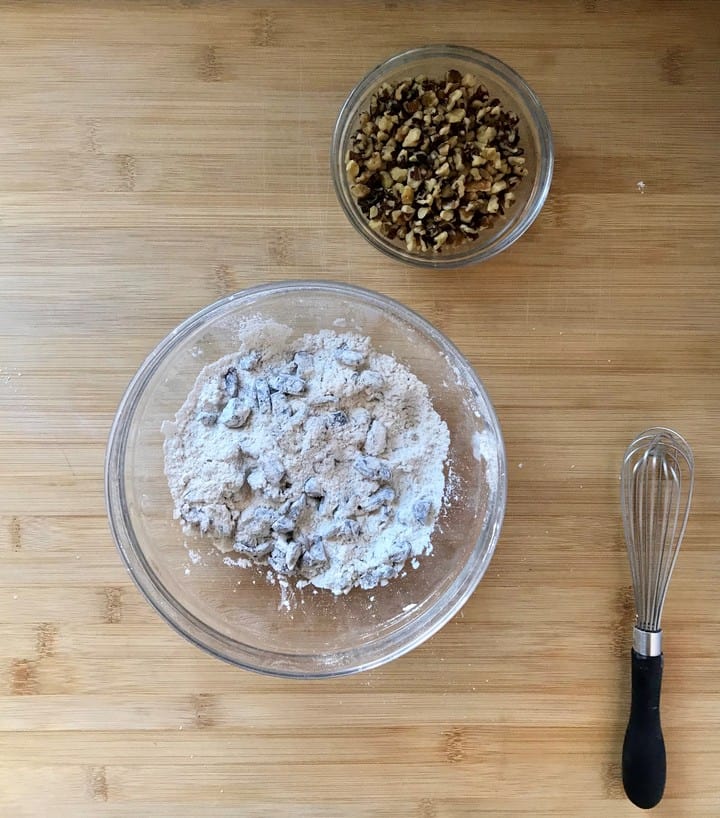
(249, 361)
(299, 412)
(195, 516)
(377, 576)
(256, 479)
(208, 418)
(292, 554)
(420, 510)
(253, 547)
(400, 553)
(235, 414)
(361, 419)
(350, 528)
(287, 384)
(376, 440)
(304, 363)
(215, 519)
(337, 419)
(278, 560)
(379, 498)
(231, 382)
(327, 507)
(262, 395)
(373, 468)
(297, 507)
(370, 380)
(259, 524)
(283, 525)
(314, 560)
(274, 470)
(280, 404)
(321, 400)
(349, 357)
(313, 488)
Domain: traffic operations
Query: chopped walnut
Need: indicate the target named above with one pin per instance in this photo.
(434, 162)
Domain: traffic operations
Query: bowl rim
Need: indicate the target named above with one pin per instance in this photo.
(515, 228)
(194, 629)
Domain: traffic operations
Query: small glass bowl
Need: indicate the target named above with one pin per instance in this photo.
(234, 613)
(515, 95)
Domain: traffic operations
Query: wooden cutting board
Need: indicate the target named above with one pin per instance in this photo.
(155, 156)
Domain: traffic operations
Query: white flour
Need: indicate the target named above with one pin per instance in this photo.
(318, 457)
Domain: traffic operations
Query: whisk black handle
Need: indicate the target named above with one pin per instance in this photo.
(643, 758)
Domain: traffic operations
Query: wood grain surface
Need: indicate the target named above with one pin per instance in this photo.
(155, 156)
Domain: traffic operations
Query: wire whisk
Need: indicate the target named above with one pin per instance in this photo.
(657, 484)
(656, 490)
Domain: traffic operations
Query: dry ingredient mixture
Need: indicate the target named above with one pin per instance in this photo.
(434, 162)
(319, 457)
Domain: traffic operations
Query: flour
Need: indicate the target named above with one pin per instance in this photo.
(484, 449)
(318, 457)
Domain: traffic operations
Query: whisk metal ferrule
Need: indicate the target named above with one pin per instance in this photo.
(647, 643)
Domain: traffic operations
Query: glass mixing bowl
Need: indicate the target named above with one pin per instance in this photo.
(515, 95)
(234, 613)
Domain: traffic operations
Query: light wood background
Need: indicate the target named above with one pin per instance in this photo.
(155, 156)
